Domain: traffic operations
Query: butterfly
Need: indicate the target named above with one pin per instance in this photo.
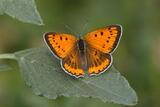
(91, 53)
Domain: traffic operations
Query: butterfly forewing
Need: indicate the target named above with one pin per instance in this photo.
(105, 39)
(60, 44)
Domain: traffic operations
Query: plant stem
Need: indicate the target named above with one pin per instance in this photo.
(7, 56)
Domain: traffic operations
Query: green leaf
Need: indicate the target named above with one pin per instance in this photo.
(4, 67)
(42, 72)
(23, 10)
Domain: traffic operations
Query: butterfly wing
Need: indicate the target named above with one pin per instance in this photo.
(64, 46)
(100, 44)
(105, 39)
(97, 61)
(71, 63)
(60, 44)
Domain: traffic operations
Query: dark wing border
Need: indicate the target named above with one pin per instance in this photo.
(120, 31)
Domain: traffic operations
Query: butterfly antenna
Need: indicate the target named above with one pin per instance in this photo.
(70, 29)
(84, 28)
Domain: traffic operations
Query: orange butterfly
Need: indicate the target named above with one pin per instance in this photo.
(91, 53)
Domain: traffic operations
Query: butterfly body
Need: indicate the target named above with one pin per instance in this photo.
(91, 53)
(81, 45)
(82, 53)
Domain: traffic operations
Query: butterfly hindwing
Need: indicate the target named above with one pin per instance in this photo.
(60, 44)
(105, 39)
(71, 63)
(97, 61)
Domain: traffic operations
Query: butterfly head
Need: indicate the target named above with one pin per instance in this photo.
(78, 36)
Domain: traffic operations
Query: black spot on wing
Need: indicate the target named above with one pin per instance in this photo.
(60, 37)
(95, 35)
(101, 33)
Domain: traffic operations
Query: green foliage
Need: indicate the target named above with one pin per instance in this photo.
(42, 72)
(4, 67)
(23, 10)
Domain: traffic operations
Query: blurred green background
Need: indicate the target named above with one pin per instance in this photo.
(137, 57)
